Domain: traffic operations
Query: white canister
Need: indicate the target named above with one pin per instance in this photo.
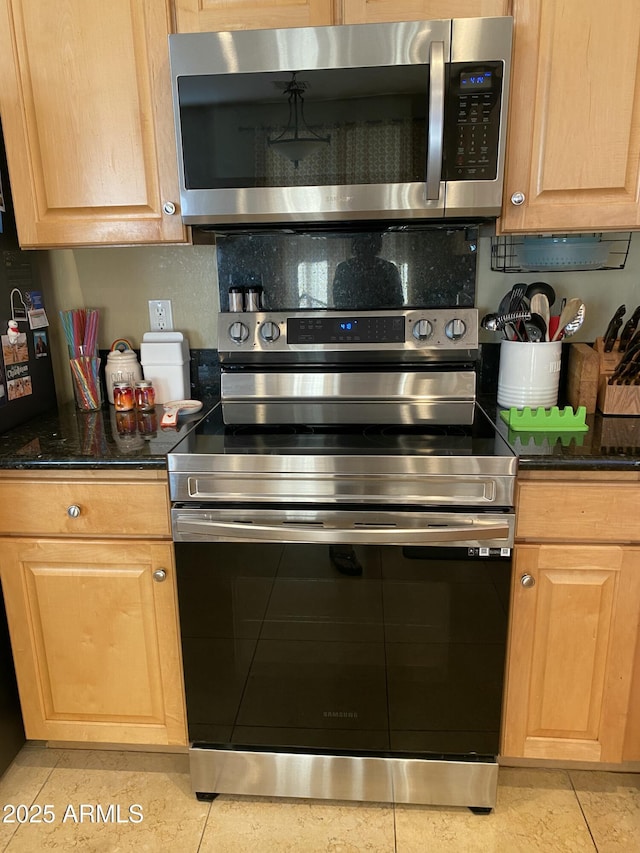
(529, 374)
(122, 366)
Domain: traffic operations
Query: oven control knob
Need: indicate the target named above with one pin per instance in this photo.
(422, 330)
(269, 332)
(238, 332)
(455, 329)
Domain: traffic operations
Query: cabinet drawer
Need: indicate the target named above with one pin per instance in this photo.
(578, 511)
(118, 508)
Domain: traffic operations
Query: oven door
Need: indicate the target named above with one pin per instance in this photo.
(354, 635)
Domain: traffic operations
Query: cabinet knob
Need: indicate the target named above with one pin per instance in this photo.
(527, 581)
(518, 198)
(169, 208)
(159, 575)
(73, 511)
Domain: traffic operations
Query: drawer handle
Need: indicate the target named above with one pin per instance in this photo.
(527, 581)
(159, 575)
(73, 511)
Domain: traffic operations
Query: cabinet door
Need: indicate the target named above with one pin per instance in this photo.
(95, 640)
(632, 736)
(571, 652)
(380, 11)
(202, 16)
(573, 148)
(88, 121)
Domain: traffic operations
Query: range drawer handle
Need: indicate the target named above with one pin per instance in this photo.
(159, 575)
(73, 511)
(527, 581)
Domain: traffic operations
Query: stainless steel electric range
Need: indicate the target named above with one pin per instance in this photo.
(343, 522)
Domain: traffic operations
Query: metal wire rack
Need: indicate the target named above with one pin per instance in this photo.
(560, 252)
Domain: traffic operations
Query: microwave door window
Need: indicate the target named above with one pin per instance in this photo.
(305, 128)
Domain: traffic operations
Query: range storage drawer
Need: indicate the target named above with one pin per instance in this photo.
(578, 511)
(118, 507)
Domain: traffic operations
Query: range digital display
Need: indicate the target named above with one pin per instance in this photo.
(345, 330)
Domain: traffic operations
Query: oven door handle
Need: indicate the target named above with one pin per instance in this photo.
(364, 535)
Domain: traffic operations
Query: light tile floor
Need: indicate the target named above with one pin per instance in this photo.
(537, 810)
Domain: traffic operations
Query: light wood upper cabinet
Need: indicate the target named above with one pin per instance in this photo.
(573, 147)
(572, 651)
(85, 99)
(202, 16)
(216, 15)
(380, 11)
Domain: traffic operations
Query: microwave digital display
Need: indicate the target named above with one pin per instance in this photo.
(475, 80)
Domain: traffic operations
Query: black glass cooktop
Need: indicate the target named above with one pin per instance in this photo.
(212, 436)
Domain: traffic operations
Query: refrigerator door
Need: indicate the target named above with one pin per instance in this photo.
(26, 373)
(11, 730)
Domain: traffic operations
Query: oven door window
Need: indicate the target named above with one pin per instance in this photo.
(374, 649)
(308, 128)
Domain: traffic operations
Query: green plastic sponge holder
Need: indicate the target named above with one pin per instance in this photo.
(546, 420)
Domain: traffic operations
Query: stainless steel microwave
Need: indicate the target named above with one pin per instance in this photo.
(334, 124)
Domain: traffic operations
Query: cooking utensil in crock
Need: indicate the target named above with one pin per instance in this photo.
(573, 325)
(541, 287)
(567, 314)
(497, 322)
(539, 305)
(535, 328)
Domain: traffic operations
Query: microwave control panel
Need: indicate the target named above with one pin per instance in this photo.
(472, 121)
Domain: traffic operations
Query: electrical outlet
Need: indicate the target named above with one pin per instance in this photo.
(160, 316)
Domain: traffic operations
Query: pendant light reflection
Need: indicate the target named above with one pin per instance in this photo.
(297, 141)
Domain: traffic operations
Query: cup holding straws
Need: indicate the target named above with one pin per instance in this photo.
(81, 332)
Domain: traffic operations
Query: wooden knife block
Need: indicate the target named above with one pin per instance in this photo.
(587, 381)
(614, 399)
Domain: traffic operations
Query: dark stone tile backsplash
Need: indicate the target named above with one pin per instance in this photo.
(352, 270)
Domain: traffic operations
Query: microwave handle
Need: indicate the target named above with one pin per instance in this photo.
(436, 120)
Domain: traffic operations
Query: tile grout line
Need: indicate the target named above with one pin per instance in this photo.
(34, 798)
(584, 816)
(204, 826)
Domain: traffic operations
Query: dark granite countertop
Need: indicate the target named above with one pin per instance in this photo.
(68, 438)
(610, 444)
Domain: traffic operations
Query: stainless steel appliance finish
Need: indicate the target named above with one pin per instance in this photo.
(336, 397)
(344, 777)
(234, 81)
(353, 528)
(365, 367)
(343, 587)
(404, 472)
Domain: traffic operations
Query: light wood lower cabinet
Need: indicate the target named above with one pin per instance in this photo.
(87, 571)
(94, 632)
(573, 664)
(575, 618)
